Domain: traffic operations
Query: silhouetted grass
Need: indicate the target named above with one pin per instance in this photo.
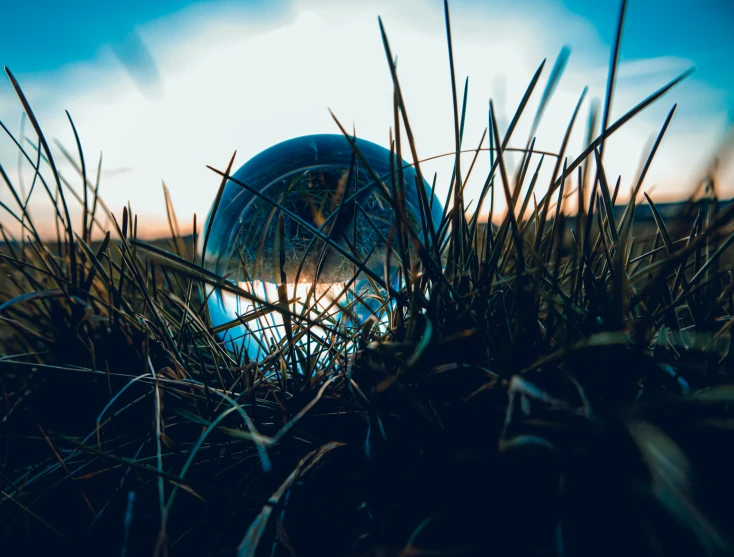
(554, 385)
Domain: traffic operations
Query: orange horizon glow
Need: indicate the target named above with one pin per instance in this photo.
(161, 230)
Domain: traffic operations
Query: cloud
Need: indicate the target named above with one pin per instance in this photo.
(230, 81)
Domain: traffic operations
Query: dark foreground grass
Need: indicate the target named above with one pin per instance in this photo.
(533, 396)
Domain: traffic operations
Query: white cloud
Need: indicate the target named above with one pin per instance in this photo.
(231, 81)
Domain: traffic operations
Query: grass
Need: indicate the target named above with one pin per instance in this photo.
(555, 385)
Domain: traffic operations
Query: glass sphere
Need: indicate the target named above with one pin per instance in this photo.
(306, 183)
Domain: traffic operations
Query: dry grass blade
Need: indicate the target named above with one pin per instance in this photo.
(249, 545)
(29, 296)
(173, 222)
(504, 228)
(508, 197)
(611, 80)
(629, 209)
(606, 197)
(459, 222)
(215, 208)
(85, 214)
(671, 485)
(617, 125)
(42, 139)
(129, 259)
(555, 77)
(195, 271)
(546, 204)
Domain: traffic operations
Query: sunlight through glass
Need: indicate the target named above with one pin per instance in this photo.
(307, 212)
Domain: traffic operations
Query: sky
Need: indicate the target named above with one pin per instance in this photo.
(165, 88)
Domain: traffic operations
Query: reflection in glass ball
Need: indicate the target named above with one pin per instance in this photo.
(310, 182)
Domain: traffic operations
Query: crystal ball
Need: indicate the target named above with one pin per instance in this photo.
(309, 183)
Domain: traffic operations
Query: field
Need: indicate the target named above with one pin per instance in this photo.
(558, 384)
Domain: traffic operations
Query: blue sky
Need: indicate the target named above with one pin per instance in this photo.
(246, 74)
(700, 31)
(45, 35)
